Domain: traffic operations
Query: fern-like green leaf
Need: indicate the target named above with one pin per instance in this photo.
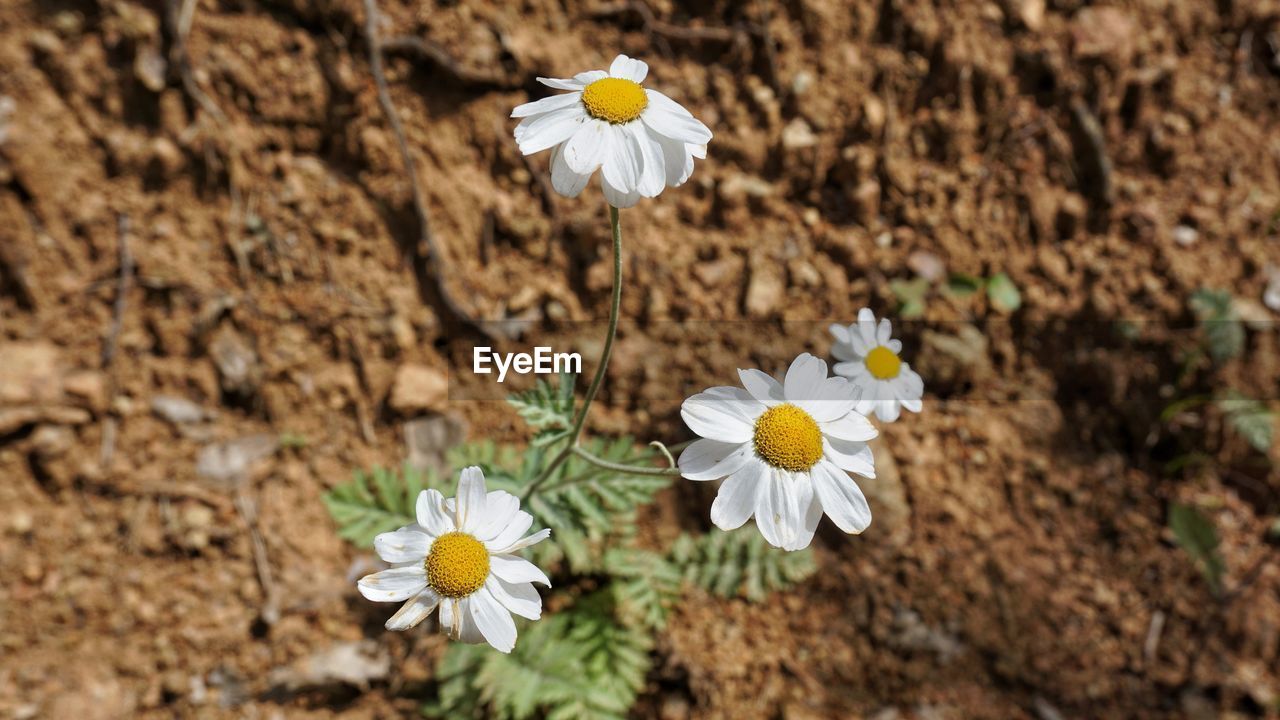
(645, 588)
(740, 562)
(545, 405)
(1251, 418)
(374, 502)
(579, 663)
(1223, 331)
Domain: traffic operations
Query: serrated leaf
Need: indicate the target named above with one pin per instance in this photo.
(1252, 419)
(911, 296)
(546, 406)
(740, 562)
(376, 501)
(1003, 293)
(1197, 536)
(1222, 330)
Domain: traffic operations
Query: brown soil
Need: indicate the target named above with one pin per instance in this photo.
(1111, 160)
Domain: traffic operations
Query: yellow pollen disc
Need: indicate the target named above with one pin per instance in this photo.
(615, 100)
(457, 565)
(788, 438)
(883, 363)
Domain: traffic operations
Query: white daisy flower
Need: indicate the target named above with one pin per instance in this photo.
(459, 557)
(870, 360)
(783, 449)
(641, 139)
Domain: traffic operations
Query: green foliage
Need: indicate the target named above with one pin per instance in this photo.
(1197, 536)
(911, 296)
(579, 663)
(1003, 294)
(647, 585)
(547, 409)
(963, 285)
(740, 562)
(1252, 419)
(1221, 327)
(374, 502)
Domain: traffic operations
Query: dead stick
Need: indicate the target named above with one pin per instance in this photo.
(123, 285)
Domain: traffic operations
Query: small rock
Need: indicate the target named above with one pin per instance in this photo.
(51, 441)
(149, 67)
(866, 202)
(1031, 13)
(717, 272)
(1103, 32)
(179, 411)
(29, 373)
(890, 511)
(231, 461)
(927, 265)
(418, 388)
(1271, 295)
(765, 291)
(356, 663)
(236, 360)
(1185, 235)
(873, 115)
(797, 135)
(429, 438)
(1252, 313)
(89, 387)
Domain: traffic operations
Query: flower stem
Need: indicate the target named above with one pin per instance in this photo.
(619, 467)
(614, 309)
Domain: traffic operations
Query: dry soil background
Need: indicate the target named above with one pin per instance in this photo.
(164, 553)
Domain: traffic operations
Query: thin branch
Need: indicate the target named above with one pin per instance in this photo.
(123, 284)
(437, 55)
(181, 15)
(619, 467)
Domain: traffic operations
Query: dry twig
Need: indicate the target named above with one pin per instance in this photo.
(123, 284)
(437, 55)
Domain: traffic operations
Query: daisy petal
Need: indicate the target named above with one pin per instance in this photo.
(408, 544)
(432, 515)
(854, 457)
(666, 117)
(465, 628)
(808, 525)
(653, 171)
(520, 598)
(414, 611)
(588, 148)
(394, 584)
(471, 498)
(738, 497)
(677, 161)
(518, 525)
(493, 620)
(779, 511)
(629, 69)
(448, 616)
(500, 508)
(841, 498)
(563, 179)
(616, 197)
(622, 160)
(718, 415)
(884, 332)
(806, 379)
(523, 543)
(712, 459)
(547, 104)
(761, 386)
(548, 131)
(852, 426)
(516, 570)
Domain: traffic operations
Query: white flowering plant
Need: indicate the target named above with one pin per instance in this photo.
(472, 547)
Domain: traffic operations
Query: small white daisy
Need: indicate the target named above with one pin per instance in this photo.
(641, 139)
(783, 449)
(458, 556)
(869, 356)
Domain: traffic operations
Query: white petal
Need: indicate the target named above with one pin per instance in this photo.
(841, 498)
(677, 161)
(521, 544)
(653, 171)
(808, 525)
(616, 197)
(520, 598)
(493, 620)
(500, 508)
(465, 628)
(564, 180)
(805, 378)
(867, 327)
(586, 150)
(854, 457)
(853, 426)
(578, 82)
(895, 346)
(668, 118)
(836, 398)
(884, 332)
(761, 386)
(719, 414)
(394, 584)
(628, 69)
(448, 616)
(547, 104)
(622, 160)
(471, 499)
(516, 526)
(414, 611)
(888, 410)
(737, 498)
(780, 506)
(549, 131)
(712, 459)
(516, 570)
(408, 544)
(432, 515)
(853, 370)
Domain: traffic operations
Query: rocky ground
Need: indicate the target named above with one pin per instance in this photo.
(215, 302)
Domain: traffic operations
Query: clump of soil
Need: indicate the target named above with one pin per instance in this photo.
(216, 301)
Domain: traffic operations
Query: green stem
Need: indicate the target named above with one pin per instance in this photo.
(619, 467)
(614, 309)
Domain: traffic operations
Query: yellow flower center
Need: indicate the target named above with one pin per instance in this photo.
(457, 565)
(788, 438)
(615, 100)
(883, 363)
